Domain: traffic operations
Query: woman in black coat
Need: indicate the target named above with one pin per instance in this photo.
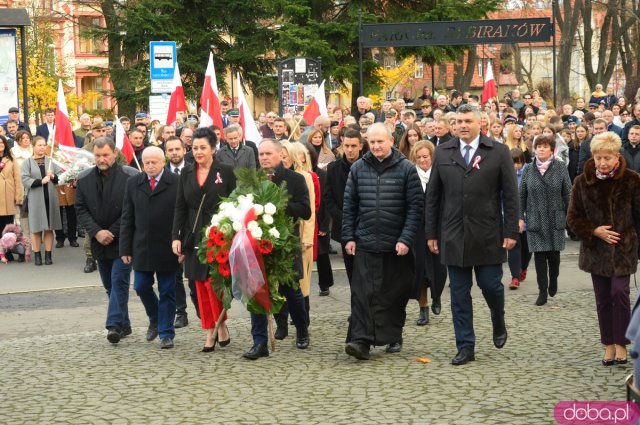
(430, 273)
(199, 191)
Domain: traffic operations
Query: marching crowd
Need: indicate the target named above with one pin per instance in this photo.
(422, 190)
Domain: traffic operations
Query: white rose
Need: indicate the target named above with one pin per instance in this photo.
(270, 209)
(274, 232)
(215, 221)
(259, 209)
(256, 232)
(268, 219)
(252, 225)
(237, 226)
(249, 197)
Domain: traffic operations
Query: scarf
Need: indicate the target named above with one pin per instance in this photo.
(543, 166)
(424, 177)
(609, 175)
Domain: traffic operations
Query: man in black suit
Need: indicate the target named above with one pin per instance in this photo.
(99, 198)
(145, 242)
(337, 174)
(441, 131)
(46, 128)
(176, 150)
(298, 207)
(473, 199)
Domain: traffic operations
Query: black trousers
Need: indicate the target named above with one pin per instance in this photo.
(348, 263)
(519, 257)
(71, 224)
(325, 273)
(181, 295)
(547, 268)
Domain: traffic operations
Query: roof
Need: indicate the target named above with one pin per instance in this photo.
(14, 18)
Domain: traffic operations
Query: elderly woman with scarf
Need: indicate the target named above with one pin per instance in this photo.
(605, 215)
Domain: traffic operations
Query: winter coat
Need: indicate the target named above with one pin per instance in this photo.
(383, 203)
(32, 181)
(333, 195)
(631, 156)
(244, 157)
(472, 208)
(615, 202)
(543, 205)
(11, 191)
(146, 223)
(99, 206)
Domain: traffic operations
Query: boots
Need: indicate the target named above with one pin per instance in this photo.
(20, 258)
(424, 316)
(542, 293)
(37, 258)
(47, 258)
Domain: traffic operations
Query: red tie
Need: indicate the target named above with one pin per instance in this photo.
(153, 184)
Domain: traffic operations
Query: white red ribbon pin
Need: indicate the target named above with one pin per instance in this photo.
(218, 178)
(476, 162)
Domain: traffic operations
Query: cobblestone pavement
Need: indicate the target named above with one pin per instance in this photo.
(68, 374)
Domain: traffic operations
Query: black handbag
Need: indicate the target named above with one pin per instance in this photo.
(188, 242)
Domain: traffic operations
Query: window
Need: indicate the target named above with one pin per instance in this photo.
(93, 84)
(419, 72)
(89, 43)
(480, 67)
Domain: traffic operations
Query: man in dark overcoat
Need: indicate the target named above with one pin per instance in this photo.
(383, 205)
(99, 198)
(473, 196)
(145, 242)
(298, 207)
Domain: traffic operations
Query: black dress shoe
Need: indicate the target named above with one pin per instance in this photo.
(424, 316)
(464, 356)
(74, 243)
(114, 336)
(302, 341)
(257, 351)
(281, 332)
(436, 307)
(60, 244)
(152, 332)
(396, 347)
(206, 349)
(125, 332)
(181, 321)
(357, 350)
(90, 265)
(542, 299)
(324, 292)
(499, 333)
(166, 343)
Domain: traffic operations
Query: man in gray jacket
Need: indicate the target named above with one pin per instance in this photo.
(235, 153)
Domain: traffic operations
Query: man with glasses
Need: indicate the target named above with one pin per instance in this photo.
(528, 102)
(186, 135)
(267, 129)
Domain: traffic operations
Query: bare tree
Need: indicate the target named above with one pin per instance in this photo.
(567, 19)
(464, 70)
(628, 46)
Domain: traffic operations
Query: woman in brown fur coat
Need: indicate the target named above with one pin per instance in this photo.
(605, 214)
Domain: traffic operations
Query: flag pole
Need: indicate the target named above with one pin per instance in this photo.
(53, 142)
(135, 158)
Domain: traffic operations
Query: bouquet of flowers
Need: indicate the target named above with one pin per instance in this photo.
(72, 161)
(250, 246)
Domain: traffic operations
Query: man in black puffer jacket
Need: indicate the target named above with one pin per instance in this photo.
(383, 203)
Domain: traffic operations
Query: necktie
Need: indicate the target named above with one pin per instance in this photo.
(176, 170)
(467, 156)
(235, 152)
(152, 182)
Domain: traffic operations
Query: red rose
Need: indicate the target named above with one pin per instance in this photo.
(265, 247)
(210, 243)
(209, 257)
(224, 270)
(218, 238)
(222, 257)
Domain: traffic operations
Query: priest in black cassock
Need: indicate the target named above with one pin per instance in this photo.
(383, 203)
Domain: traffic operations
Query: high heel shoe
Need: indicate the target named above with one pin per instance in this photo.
(621, 354)
(206, 349)
(225, 342)
(608, 361)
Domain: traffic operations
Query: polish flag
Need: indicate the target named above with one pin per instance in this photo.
(248, 124)
(209, 100)
(63, 134)
(317, 106)
(490, 90)
(177, 102)
(123, 143)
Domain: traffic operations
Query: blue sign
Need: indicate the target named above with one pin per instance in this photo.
(163, 59)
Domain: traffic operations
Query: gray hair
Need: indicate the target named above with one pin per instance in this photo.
(233, 128)
(379, 126)
(466, 108)
(152, 150)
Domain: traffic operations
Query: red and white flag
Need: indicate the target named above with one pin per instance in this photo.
(209, 99)
(63, 134)
(123, 143)
(490, 90)
(248, 124)
(317, 106)
(177, 102)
